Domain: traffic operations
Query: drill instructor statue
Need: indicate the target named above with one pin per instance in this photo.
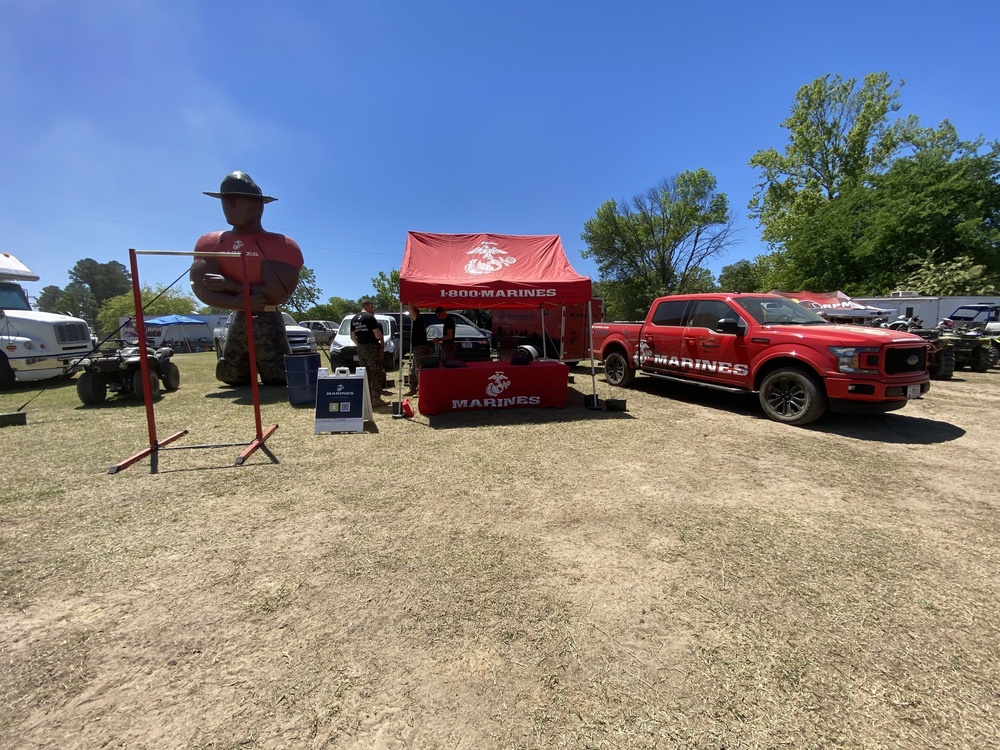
(273, 265)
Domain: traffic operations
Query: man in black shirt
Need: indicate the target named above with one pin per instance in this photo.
(447, 339)
(419, 346)
(366, 333)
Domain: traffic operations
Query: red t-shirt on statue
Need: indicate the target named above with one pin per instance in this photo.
(257, 247)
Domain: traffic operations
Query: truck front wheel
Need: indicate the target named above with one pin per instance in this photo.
(792, 396)
(617, 370)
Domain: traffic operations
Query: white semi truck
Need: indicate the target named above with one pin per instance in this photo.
(34, 345)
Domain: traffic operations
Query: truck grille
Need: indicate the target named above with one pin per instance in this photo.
(72, 333)
(898, 360)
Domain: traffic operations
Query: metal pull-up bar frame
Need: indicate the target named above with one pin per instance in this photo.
(155, 445)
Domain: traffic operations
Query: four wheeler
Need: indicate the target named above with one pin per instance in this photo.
(120, 371)
(940, 353)
(973, 349)
(941, 343)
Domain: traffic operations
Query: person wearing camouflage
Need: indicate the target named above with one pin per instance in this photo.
(367, 335)
(273, 262)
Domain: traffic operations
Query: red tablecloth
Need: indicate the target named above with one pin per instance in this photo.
(492, 385)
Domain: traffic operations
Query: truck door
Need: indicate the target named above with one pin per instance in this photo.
(706, 353)
(660, 338)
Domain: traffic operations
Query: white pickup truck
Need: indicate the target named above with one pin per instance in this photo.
(35, 345)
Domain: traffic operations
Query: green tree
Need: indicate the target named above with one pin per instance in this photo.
(334, 309)
(158, 301)
(950, 278)
(627, 299)
(102, 280)
(48, 299)
(743, 276)
(386, 288)
(941, 202)
(86, 305)
(838, 134)
(656, 243)
(699, 281)
(209, 310)
(306, 293)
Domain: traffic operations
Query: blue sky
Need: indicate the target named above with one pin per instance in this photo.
(371, 119)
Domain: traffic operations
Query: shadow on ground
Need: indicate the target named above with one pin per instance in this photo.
(891, 427)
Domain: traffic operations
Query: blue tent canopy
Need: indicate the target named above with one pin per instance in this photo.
(173, 320)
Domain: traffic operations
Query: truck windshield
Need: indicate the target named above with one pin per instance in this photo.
(12, 297)
(778, 311)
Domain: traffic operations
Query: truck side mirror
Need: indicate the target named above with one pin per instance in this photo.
(730, 325)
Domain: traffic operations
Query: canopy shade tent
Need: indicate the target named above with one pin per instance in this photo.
(492, 271)
(180, 328)
(489, 271)
(173, 320)
(833, 303)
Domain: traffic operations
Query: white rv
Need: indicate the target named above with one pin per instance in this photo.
(34, 345)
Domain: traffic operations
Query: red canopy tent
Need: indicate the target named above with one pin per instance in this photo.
(489, 271)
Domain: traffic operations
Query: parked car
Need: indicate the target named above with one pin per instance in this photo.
(430, 319)
(343, 352)
(300, 340)
(471, 343)
(323, 330)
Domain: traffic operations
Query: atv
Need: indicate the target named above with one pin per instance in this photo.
(940, 352)
(120, 371)
(973, 349)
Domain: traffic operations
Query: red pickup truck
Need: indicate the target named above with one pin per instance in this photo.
(799, 363)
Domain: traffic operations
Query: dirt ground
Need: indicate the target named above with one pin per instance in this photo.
(682, 574)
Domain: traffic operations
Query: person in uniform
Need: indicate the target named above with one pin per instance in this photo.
(367, 335)
(447, 340)
(420, 347)
(273, 265)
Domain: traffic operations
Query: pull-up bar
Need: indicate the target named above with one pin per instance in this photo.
(156, 445)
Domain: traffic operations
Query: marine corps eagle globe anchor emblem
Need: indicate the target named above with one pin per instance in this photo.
(498, 383)
(488, 262)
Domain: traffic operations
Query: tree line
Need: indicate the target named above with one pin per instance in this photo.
(859, 200)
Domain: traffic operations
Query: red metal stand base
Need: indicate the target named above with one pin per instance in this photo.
(152, 451)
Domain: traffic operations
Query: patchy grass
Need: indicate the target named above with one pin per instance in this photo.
(684, 574)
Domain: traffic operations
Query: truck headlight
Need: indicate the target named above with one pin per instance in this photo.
(856, 359)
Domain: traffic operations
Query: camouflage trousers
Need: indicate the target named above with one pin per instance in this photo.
(418, 353)
(370, 357)
(270, 346)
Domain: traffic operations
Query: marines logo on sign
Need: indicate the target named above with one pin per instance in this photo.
(491, 258)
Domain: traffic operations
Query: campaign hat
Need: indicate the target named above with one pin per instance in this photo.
(240, 183)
